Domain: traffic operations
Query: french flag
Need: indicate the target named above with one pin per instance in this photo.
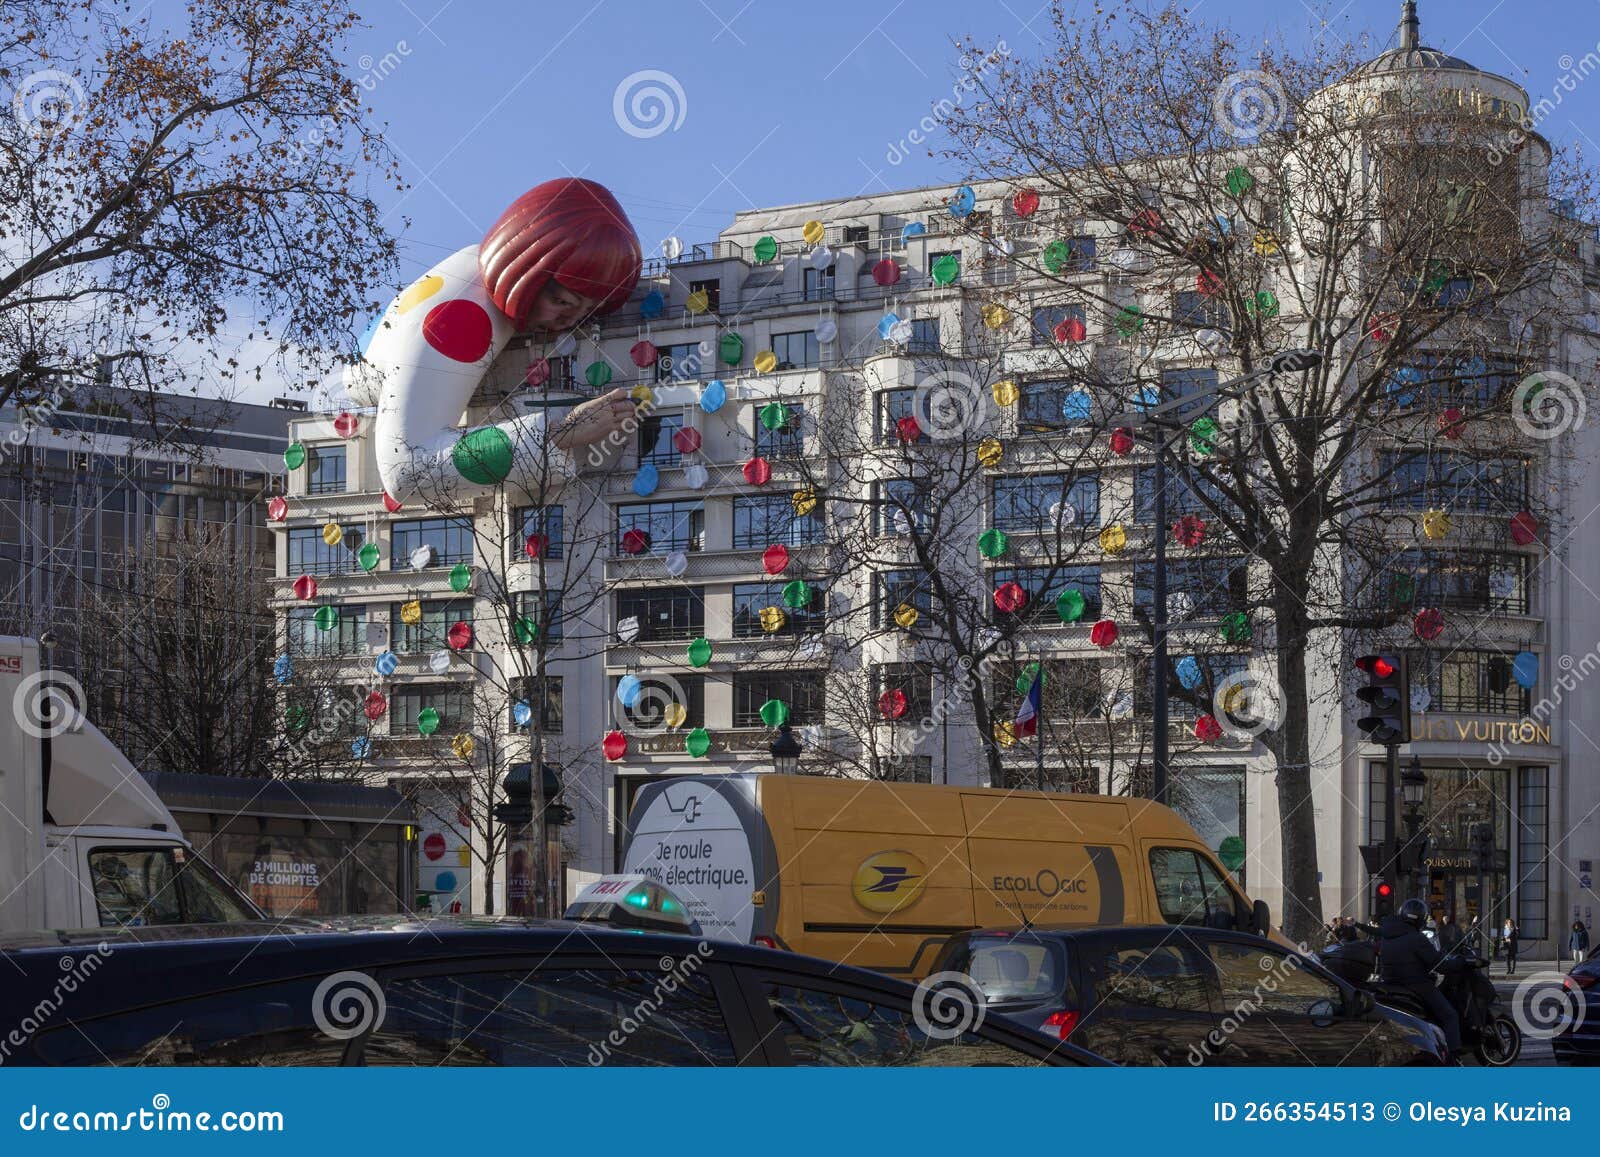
(1027, 720)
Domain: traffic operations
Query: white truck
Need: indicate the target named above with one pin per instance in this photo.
(84, 841)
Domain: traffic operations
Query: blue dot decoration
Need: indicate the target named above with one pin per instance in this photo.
(912, 229)
(386, 664)
(283, 669)
(1146, 397)
(714, 396)
(653, 304)
(887, 322)
(1189, 674)
(646, 481)
(1403, 385)
(965, 200)
(1525, 669)
(444, 882)
(360, 747)
(521, 713)
(1075, 406)
(628, 690)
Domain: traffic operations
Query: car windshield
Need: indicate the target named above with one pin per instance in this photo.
(1012, 969)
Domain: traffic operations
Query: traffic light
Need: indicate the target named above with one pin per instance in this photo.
(1385, 897)
(1388, 699)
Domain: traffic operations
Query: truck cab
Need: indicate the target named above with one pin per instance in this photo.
(84, 841)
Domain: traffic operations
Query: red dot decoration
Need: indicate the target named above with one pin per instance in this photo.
(1208, 283)
(1122, 442)
(635, 541)
(1024, 202)
(459, 329)
(775, 559)
(614, 746)
(346, 425)
(1524, 528)
(893, 704)
(535, 545)
(1070, 329)
(538, 372)
(758, 472)
(278, 508)
(1429, 624)
(1009, 597)
(908, 429)
(1103, 633)
(1452, 423)
(886, 272)
(644, 354)
(1381, 328)
(375, 705)
(1189, 531)
(1207, 729)
(459, 636)
(1144, 222)
(305, 588)
(686, 440)
(392, 505)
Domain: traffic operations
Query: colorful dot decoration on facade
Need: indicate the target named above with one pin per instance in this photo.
(647, 480)
(886, 272)
(1235, 627)
(537, 374)
(1207, 729)
(1452, 423)
(686, 440)
(459, 636)
(1005, 393)
(305, 588)
(392, 505)
(775, 559)
(346, 424)
(1070, 330)
(765, 249)
(1010, 597)
(643, 354)
(483, 456)
(766, 361)
(893, 704)
(993, 543)
(463, 745)
(375, 705)
(635, 541)
(1024, 202)
(525, 631)
(1203, 434)
(730, 348)
(697, 743)
(713, 396)
(757, 471)
(1428, 624)
(460, 577)
(1104, 633)
(946, 268)
(699, 653)
(295, 456)
(1121, 442)
(283, 669)
(1189, 674)
(908, 429)
(614, 746)
(325, 618)
(772, 619)
(991, 451)
(1189, 531)
(1113, 539)
(1239, 182)
(1436, 524)
(803, 503)
(535, 545)
(774, 713)
(369, 556)
(428, 720)
(1070, 605)
(386, 663)
(906, 616)
(277, 508)
(797, 594)
(1524, 528)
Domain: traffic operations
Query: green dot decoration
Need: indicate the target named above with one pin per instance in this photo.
(766, 248)
(295, 456)
(774, 416)
(427, 721)
(597, 374)
(993, 542)
(1070, 605)
(1235, 627)
(483, 456)
(797, 595)
(326, 618)
(945, 270)
(774, 713)
(700, 652)
(460, 577)
(1239, 181)
(697, 742)
(368, 556)
(525, 630)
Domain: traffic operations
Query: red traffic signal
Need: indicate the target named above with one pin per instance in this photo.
(1385, 890)
(1376, 665)
(1387, 695)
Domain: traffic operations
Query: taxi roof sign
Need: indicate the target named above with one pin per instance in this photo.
(632, 901)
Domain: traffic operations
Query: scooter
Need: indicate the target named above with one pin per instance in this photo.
(1494, 1038)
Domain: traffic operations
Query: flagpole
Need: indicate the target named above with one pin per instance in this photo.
(1038, 731)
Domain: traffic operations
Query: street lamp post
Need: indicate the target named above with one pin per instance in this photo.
(1170, 430)
(1413, 785)
(785, 752)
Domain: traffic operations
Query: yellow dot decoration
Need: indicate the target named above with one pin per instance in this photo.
(811, 232)
(676, 715)
(1005, 733)
(1005, 392)
(1266, 243)
(804, 502)
(698, 302)
(1435, 524)
(1113, 539)
(332, 533)
(773, 619)
(411, 613)
(642, 395)
(990, 452)
(905, 616)
(996, 316)
(766, 362)
(463, 746)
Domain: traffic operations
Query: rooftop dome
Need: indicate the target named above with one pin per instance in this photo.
(1409, 54)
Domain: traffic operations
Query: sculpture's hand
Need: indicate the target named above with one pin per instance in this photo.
(595, 420)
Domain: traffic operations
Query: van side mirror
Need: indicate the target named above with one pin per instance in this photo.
(1261, 918)
(1361, 1003)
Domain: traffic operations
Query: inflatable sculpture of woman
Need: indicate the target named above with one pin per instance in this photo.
(562, 253)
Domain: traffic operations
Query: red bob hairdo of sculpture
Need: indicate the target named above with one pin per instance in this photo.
(569, 229)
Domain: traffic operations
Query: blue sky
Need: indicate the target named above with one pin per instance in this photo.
(781, 102)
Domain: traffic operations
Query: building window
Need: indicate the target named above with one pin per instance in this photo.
(666, 526)
(348, 637)
(678, 613)
(451, 539)
(893, 405)
(548, 521)
(309, 553)
(1533, 853)
(562, 373)
(924, 336)
(1047, 317)
(1454, 481)
(1071, 689)
(797, 350)
(788, 440)
(750, 599)
(1183, 496)
(545, 612)
(802, 691)
(325, 469)
(856, 234)
(1195, 309)
(765, 519)
(1051, 404)
(712, 288)
(1197, 588)
(1027, 503)
(898, 588)
(901, 506)
(1470, 682)
(818, 283)
(1044, 585)
(1457, 580)
(678, 363)
(655, 440)
(913, 680)
(648, 711)
(453, 702)
(1471, 383)
(430, 631)
(545, 698)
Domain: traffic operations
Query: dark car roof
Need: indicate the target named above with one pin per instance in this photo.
(1111, 931)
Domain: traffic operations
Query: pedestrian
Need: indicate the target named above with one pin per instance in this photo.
(1578, 942)
(1509, 934)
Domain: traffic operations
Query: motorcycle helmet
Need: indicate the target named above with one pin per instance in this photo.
(1414, 912)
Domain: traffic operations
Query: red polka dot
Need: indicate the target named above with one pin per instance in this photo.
(459, 329)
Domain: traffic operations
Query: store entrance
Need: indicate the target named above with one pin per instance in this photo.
(1457, 896)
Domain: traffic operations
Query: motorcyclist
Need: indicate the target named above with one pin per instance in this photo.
(1408, 960)
(1349, 956)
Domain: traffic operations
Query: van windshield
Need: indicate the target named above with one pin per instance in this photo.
(136, 887)
(1190, 891)
(1011, 969)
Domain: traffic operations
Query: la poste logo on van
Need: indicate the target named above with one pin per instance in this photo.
(888, 881)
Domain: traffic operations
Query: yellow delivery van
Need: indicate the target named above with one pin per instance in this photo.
(879, 874)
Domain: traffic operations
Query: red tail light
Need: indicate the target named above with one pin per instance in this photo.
(1581, 979)
(763, 942)
(1062, 1022)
